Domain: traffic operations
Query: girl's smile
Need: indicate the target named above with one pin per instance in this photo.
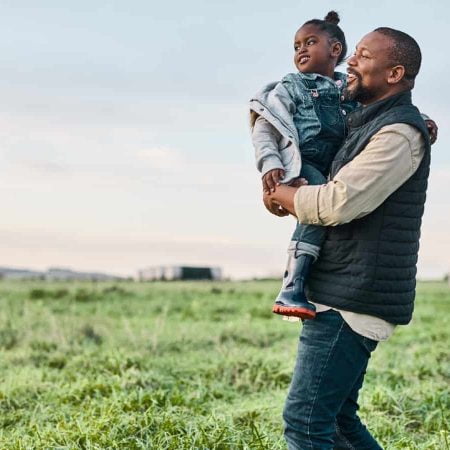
(303, 59)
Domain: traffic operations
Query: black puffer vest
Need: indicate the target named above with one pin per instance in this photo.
(369, 265)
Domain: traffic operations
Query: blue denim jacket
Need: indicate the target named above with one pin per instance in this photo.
(289, 117)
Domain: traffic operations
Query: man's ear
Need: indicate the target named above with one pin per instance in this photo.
(396, 74)
(336, 49)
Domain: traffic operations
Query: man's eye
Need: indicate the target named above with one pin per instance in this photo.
(296, 47)
(310, 42)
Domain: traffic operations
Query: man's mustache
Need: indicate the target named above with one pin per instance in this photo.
(353, 72)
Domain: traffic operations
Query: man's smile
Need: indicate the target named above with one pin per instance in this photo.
(352, 76)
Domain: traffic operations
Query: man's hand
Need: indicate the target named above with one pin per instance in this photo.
(272, 206)
(271, 180)
(432, 130)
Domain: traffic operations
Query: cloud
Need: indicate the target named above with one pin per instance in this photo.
(221, 224)
(126, 253)
(162, 158)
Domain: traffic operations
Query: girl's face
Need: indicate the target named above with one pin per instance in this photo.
(313, 51)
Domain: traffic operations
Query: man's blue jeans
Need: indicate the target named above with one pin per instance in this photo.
(321, 407)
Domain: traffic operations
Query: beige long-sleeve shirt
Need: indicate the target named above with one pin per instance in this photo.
(389, 159)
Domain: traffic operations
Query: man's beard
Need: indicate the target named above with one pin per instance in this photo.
(359, 93)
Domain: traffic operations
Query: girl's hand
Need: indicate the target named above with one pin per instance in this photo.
(297, 182)
(271, 180)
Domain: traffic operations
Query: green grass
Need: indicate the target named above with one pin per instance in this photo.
(193, 366)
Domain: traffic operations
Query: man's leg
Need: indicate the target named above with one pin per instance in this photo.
(331, 361)
(350, 431)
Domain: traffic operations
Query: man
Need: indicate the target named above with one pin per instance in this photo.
(363, 283)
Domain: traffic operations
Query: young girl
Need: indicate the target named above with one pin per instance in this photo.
(298, 125)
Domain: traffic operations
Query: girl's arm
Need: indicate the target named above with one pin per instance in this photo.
(266, 141)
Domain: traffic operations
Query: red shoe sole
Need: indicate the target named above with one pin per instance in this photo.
(292, 311)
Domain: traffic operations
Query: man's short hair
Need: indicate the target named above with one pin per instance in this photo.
(405, 51)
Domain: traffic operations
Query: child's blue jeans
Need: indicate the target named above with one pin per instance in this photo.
(310, 234)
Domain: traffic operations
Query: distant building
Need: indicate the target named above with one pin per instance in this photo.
(170, 273)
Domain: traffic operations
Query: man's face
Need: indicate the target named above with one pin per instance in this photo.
(368, 69)
(312, 50)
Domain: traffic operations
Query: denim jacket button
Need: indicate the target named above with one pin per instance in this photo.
(261, 109)
(342, 97)
(344, 112)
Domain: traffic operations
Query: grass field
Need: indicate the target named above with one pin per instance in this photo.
(186, 366)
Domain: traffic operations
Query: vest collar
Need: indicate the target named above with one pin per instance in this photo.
(365, 114)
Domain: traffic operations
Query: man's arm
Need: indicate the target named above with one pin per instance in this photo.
(388, 160)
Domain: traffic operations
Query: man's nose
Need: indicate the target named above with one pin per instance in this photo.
(351, 61)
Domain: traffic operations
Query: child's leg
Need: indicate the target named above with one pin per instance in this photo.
(310, 237)
(302, 252)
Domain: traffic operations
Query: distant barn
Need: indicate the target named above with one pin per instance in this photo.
(171, 273)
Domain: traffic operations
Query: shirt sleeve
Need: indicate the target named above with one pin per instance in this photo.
(389, 159)
(266, 139)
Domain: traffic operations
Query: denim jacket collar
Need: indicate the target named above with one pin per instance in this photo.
(338, 76)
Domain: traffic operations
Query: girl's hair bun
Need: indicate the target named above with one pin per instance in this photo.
(332, 17)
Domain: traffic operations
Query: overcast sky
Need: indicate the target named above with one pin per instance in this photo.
(123, 129)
